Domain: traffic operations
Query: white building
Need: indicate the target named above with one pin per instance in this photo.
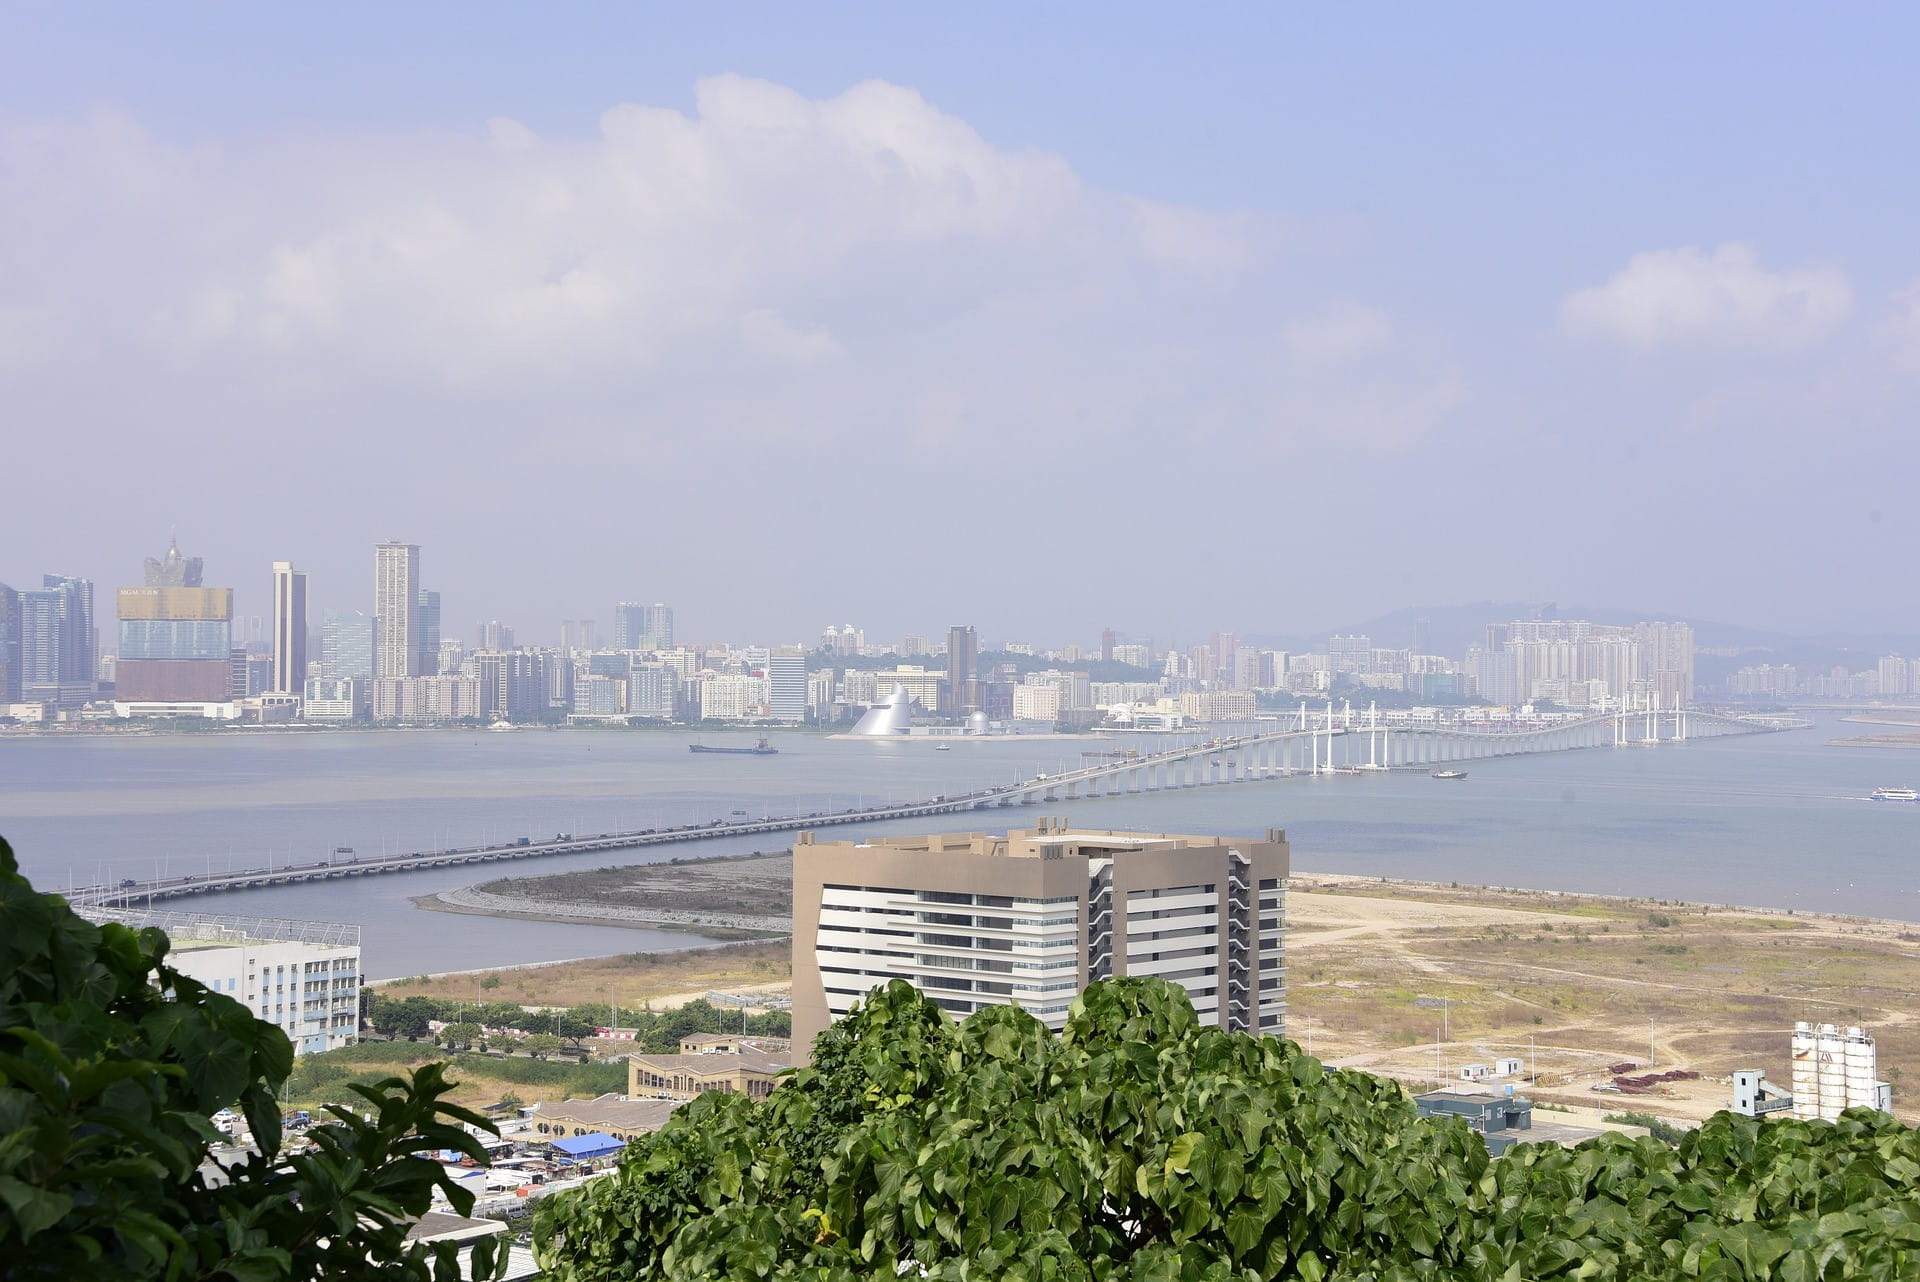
(787, 684)
(1031, 918)
(732, 698)
(1036, 703)
(301, 976)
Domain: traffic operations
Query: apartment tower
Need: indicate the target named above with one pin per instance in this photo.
(1031, 918)
(289, 629)
(396, 610)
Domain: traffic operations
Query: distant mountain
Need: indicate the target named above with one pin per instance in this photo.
(1455, 627)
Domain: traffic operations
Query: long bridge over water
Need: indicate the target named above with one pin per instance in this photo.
(1336, 741)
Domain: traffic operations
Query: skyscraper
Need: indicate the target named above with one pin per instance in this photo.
(428, 642)
(346, 645)
(57, 644)
(495, 635)
(963, 670)
(173, 570)
(289, 629)
(396, 609)
(787, 683)
(637, 626)
(9, 645)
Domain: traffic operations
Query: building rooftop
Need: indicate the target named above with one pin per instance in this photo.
(610, 1110)
(711, 1063)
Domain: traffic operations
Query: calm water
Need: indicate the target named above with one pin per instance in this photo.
(1775, 820)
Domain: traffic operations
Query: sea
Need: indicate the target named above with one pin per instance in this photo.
(1780, 821)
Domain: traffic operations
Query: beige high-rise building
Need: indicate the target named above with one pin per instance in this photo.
(289, 629)
(976, 920)
(396, 610)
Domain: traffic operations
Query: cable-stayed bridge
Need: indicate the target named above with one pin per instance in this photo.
(1334, 741)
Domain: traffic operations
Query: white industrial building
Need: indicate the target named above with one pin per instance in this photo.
(301, 976)
(1835, 1069)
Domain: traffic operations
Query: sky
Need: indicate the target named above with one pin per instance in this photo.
(1041, 318)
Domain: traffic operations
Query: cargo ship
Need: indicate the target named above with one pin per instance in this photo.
(760, 749)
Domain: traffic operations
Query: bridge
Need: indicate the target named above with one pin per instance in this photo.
(1336, 741)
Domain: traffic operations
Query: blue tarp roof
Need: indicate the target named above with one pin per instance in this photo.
(590, 1145)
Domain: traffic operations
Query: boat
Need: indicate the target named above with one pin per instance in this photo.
(1449, 774)
(943, 747)
(1896, 794)
(760, 749)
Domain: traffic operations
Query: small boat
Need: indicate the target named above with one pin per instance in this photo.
(1449, 774)
(1896, 794)
(943, 747)
(760, 749)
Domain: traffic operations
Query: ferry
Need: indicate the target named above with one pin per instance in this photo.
(1896, 794)
(760, 749)
(1449, 774)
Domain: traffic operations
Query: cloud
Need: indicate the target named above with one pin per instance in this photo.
(1337, 335)
(1726, 299)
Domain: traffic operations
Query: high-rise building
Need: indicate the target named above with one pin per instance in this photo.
(173, 570)
(396, 609)
(9, 645)
(289, 629)
(495, 635)
(974, 920)
(57, 642)
(428, 642)
(346, 645)
(638, 626)
(579, 634)
(1108, 638)
(176, 635)
(787, 684)
(963, 671)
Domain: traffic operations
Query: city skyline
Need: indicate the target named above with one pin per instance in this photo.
(1413, 329)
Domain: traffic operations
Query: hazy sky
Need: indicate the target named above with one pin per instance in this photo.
(1036, 317)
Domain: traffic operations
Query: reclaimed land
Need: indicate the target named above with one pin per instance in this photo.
(663, 980)
(1416, 979)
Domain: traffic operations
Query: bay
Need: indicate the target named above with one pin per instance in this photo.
(1778, 820)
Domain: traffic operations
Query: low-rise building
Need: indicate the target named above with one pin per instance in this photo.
(750, 1073)
(615, 1115)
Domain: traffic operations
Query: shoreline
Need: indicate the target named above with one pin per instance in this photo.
(1305, 881)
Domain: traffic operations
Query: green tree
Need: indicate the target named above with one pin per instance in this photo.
(540, 1045)
(460, 1035)
(111, 1064)
(1139, 1145)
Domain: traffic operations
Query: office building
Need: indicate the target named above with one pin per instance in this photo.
(976, 920)
(427, 642)
(289, 629)
(346, 645)
(396, 610)
(57, 642)
(787, 684)
(9, 645)
(963, 671)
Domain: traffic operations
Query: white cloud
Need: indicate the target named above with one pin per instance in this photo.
(1337, 335)
(1679, 297)
(766, 334)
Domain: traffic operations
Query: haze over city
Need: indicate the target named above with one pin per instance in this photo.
(1277, 322)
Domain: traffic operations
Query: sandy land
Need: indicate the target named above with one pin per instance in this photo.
(1415, 980)
(634, 979)
(1907, 740)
